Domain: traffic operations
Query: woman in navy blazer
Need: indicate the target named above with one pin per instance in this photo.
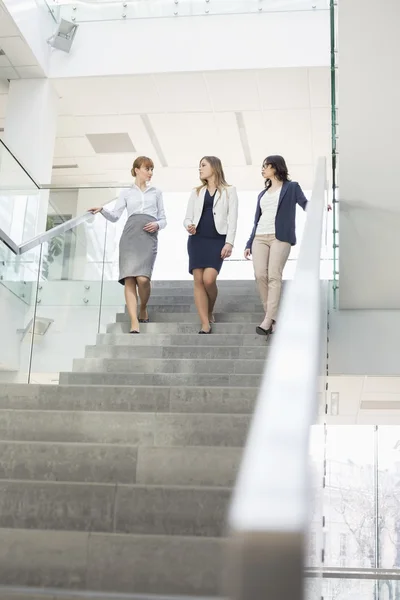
(273, 235)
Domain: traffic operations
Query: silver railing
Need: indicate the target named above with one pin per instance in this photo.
(27, 181)
(47, 235)
(269, 514)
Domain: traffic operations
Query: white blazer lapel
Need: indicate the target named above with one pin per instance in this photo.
(200, 204)
(217, 197)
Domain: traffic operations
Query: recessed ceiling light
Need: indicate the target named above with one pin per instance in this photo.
(111, 143)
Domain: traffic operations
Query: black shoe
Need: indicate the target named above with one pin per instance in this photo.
(144, 320)
(202, 332)
(134, 331)
(262, 331)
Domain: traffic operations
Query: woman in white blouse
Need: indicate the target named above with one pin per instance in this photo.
(138, 245)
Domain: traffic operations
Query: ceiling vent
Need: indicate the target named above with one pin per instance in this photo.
(111, 143)
(74, 166)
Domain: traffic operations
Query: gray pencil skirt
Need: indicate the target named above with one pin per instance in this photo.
(137, 249)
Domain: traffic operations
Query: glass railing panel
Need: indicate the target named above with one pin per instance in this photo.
(69, 299)
(19, 198)
(18, 289)
(106, 10)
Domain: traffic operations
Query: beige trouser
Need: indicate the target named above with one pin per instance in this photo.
(269, 258)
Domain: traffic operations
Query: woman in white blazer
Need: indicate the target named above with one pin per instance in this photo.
(211, 220)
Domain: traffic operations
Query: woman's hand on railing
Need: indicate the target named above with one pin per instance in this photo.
(94, 211)
(247, 253)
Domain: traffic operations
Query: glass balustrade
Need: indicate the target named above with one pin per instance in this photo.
(106, 10)
(77, 282)
(18, 290)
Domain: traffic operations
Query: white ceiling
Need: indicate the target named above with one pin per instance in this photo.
(178, 118)
(19, 61)
(240, 116)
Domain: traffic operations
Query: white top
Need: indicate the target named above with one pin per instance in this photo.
(135, 202)
(269, 206)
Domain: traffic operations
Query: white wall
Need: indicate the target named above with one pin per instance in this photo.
(369, 154)
(364, 342)
(242, 41)
(363, 400)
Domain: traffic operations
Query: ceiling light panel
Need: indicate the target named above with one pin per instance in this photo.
(111, 143)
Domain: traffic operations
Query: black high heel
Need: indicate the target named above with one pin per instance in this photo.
(134, 331)
(262, 331)
(202, 332)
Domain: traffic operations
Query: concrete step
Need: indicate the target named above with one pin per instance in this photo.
(135, 429)
(223, 284)
(188, 298)
(128, 399)
(111, 562)
(189, 315)
(238, 328)
(182, 339)
(163, 379)
(168, 365)
(197, 352)
(160, 295)
(222, 308)
(105, 463)
(137, 509)
(35, 593)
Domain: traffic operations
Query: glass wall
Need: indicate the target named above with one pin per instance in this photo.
(105, 10)
(361, 514)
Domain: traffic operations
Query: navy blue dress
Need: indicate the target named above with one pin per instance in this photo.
(205, 246)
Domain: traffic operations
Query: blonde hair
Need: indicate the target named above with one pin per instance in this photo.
(218, 171)
(139, 162)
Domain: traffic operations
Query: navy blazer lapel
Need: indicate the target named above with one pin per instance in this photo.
(284, 189)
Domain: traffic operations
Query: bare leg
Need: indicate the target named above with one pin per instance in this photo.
(210, 283)
(201, 298)
(144, 289)
(131, 302)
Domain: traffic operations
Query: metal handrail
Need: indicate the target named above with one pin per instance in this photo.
(59, 229)
(47, 235)
(268, 518)
(378, 574)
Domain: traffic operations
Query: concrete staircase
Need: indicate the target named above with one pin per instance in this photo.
(118, 479)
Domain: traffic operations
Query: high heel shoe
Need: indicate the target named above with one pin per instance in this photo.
(202, 332)
(260, 330)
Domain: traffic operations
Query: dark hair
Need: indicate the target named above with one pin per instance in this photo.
(141, 161)
(279, 164)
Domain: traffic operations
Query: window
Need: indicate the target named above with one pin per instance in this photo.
(343, 545)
